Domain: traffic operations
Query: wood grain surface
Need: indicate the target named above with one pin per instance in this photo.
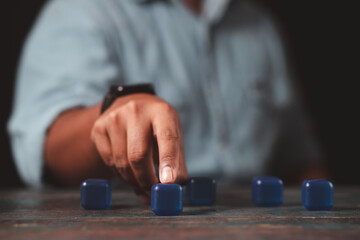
(56, 214)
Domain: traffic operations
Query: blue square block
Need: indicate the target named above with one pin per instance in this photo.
(317, 194)
(201, 191)
(267, 191)
(95, 194)
(166, 199)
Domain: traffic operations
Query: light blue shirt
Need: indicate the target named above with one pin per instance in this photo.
(224, 71)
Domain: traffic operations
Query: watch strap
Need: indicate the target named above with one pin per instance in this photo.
(117, 91)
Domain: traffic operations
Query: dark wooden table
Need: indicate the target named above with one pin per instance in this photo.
(57, 215)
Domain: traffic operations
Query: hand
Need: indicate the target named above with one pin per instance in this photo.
(125, 136)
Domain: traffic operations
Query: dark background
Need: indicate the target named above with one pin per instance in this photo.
(321, 41)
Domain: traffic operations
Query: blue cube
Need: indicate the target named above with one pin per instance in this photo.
(166, 199)
(317, 194)
(95, 194)
(201, 191)
(267, 191)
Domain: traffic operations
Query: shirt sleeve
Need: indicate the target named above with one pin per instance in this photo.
(65, 63)
(296, 145)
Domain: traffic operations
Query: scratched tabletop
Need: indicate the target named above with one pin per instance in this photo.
(56, 214)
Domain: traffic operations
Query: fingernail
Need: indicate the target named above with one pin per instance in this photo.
(166, 175)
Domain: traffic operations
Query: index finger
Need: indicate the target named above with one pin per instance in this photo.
(167, 130)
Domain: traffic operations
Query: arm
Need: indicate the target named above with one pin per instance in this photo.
(70, 155)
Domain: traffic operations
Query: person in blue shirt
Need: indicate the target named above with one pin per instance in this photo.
(224, 94)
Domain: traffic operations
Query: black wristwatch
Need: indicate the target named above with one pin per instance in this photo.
(119, 91)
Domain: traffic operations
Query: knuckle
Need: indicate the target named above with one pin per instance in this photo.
(113, 117)
(168, 158)
(132, 107)
(169, 111)
(123, 167)
(97, 128)
(137, 156)
(166, 107)
(169, 134)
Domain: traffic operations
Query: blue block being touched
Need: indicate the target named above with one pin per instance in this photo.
(166, 199)
(267, 191)
(201, 191)
(317, 194)
(95, 194)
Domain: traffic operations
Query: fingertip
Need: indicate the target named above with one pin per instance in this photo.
(167, 175)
